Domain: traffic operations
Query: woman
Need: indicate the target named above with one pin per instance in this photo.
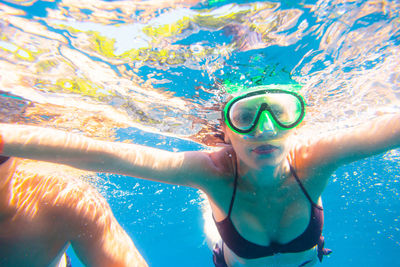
(263, 189)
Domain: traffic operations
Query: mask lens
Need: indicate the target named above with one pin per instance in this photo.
(243, 112)
(285, 108)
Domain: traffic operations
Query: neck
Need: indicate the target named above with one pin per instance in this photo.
(265, 176)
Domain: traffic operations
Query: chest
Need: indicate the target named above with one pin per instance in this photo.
(262, 214)
(275, 207)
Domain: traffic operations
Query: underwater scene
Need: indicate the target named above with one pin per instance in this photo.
(155, 73)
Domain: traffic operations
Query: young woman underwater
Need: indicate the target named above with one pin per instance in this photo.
(264, 189)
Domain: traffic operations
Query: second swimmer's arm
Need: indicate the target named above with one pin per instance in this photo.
(114, 157)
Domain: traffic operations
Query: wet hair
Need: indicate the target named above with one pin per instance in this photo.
(234, 89)
(213, 134)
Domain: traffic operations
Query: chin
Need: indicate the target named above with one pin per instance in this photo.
(267, 159)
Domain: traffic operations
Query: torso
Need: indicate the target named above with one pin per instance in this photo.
(29, 236)
(262, 215)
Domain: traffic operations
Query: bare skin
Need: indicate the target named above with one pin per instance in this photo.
(41, 214)
(265, 186)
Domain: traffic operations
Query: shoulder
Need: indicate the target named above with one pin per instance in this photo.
(308, 163)
(80, 204)
(222, 159)
(314, 153)
(208, 168)
(60, 191)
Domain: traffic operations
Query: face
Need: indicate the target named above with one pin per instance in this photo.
(265, 144)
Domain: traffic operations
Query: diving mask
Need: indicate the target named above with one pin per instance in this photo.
(285, 109)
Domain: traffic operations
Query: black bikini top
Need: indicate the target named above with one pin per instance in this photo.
(249, 250)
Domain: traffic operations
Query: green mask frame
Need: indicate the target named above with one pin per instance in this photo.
(263, 107)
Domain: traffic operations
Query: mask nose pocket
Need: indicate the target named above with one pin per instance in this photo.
(265, 124)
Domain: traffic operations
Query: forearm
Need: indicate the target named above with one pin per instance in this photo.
(380, 135)
(119, 248)
(47, 145)
(369, 139)
(108, 246)
(95, 234)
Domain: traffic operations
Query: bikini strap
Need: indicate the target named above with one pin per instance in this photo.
(234, 186)
(303, 188)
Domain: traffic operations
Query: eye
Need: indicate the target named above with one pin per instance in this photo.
(243, 117)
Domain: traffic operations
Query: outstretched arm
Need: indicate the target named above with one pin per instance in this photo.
(330, 152)
(315, 160)
(114, 157)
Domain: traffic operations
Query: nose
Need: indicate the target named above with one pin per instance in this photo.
(265, 126)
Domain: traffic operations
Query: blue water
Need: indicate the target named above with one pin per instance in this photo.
(345, 53)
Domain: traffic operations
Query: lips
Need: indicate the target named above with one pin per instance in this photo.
(265, 149)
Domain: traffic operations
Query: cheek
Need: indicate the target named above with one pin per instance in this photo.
(241, 147)
(236, 142)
